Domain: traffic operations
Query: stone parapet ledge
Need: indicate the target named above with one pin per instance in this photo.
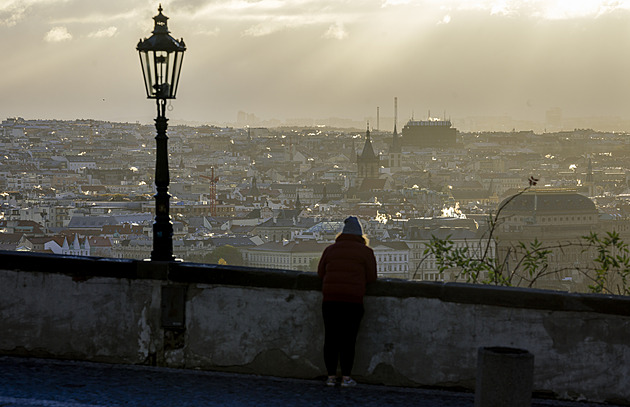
(83, 268)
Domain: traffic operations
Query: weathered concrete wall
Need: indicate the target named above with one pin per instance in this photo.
(102, 319)
(268, 322)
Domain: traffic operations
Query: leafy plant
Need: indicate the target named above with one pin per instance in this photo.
(613, 260)
(477, 262)
(481, 264)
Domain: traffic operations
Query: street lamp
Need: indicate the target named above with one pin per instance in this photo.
(161, 59)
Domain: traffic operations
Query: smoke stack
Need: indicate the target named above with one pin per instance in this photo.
(378, 118)
(395, 111)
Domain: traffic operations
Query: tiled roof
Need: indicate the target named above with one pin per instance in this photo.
(10, 238)
(292, 247)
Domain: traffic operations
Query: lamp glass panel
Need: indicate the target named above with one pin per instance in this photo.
(147, 72)
(178, 57)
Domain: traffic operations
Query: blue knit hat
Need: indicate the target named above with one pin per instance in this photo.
(352, 226)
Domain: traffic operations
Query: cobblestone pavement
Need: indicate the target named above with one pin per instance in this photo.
(40, 382)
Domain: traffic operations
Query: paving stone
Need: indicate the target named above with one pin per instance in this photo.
(52, 383)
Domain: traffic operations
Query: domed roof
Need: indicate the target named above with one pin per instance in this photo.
(549, 201)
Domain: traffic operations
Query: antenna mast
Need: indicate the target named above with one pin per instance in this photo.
(395, 112)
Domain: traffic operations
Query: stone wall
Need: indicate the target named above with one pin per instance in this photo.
(268, 322)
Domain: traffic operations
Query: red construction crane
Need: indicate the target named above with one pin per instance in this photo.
(213, 192)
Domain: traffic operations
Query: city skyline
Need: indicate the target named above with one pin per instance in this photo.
(68, 59)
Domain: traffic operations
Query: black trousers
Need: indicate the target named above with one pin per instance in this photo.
(341, 324)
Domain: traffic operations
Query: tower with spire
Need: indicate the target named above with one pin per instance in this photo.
(324, 199)
(368, 162)
(589, 182)
(298, 204)
(254, 191)
(395, 151)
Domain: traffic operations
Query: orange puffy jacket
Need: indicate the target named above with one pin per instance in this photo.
(345, 268)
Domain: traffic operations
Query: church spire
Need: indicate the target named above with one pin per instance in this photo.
(589, 170)
(368, 150)
(298, 204)
(254, 191)
(589, 181)
(324, 195)
(396, 148)
(368, 162)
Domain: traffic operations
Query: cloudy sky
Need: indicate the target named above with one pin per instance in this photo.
(282, 59)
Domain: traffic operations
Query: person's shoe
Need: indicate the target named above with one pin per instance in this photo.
(331, 381)
(347, 381)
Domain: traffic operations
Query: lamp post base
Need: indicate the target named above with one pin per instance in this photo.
(162, 242)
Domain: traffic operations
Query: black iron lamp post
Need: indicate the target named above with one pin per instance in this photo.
(161, 58)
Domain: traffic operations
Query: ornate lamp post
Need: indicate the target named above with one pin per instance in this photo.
(161, 58)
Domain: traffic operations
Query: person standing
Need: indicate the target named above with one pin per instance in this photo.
(345, 268)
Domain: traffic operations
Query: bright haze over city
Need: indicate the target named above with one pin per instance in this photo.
(68, 59)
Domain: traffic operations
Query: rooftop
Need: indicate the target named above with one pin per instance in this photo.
(549, 200)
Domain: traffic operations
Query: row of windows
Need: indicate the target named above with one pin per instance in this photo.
(567, 255)
(432, 276)
(286, 260)
(259, 258)
(391, 257)
(557, 218)
(393, 267)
